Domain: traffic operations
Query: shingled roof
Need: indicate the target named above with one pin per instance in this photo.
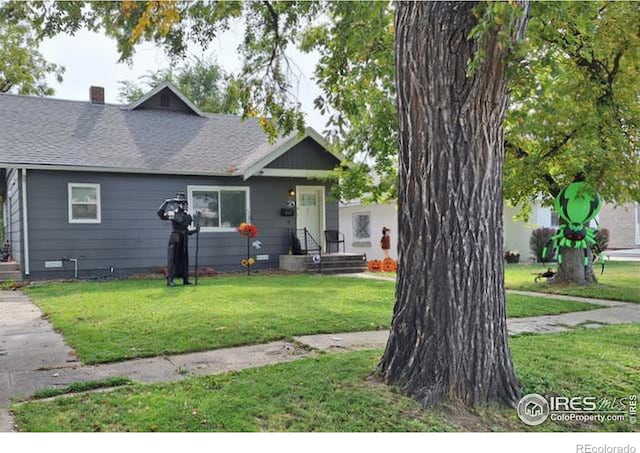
(53, 132)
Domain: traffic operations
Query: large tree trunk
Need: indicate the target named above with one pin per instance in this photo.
(572, 269)
(449, 337)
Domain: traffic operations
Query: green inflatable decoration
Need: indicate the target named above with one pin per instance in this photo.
(577, 204)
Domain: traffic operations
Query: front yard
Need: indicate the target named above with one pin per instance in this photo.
(118, 320)
(620, 281)
(337, 392)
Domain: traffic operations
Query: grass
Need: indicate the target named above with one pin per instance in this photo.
(110, 321)
(620, 281)
(336, 392)
(519, 306)
(78, 387)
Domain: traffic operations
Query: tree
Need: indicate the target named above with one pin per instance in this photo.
(200, 79)
(449, 336)
(23, 69)
(449, 326)
(575, 113)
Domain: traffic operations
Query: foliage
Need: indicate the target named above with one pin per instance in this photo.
(618, 282)
(23, 69)
(199, 79)
(335, 392)
(541, 238)
(573, 83)
(574, 111)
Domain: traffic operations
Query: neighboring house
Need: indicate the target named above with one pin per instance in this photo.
(362, 225)
(623, 223)
(83, 181)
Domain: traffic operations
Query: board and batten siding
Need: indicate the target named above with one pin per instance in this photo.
(14, 214)
(306, 155)
(131, 238)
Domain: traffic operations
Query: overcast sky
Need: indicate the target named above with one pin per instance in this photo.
(92, 59)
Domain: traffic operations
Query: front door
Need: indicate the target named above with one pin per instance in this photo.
(310, 211)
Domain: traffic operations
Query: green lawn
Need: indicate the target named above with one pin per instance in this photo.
(109, 321)
(620, 281)
(335, 392)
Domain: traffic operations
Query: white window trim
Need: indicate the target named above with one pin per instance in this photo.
(210, 229)
(353, 216)
(70, 203)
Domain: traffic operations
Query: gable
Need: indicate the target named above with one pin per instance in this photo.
(165, 99)
(306, 155)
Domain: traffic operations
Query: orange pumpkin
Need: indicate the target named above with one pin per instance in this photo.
(374, 265)
(389, 265)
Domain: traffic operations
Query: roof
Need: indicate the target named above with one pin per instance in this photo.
(48, 132)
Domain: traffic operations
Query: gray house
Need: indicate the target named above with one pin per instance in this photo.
(83, 181)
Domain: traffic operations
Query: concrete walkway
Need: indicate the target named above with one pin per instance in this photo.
(33, 356)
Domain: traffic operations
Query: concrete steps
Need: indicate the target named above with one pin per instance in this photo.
(10, 271)
(334, 263)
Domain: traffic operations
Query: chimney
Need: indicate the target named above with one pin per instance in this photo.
(96, 95)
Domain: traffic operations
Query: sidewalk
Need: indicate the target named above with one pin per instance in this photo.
(36, 357)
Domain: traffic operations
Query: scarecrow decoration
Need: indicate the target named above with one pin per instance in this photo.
(577, 204)
(249, 231)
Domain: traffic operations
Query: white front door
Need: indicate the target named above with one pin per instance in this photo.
(310, 211)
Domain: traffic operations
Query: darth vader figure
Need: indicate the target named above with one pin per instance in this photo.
(175, 210)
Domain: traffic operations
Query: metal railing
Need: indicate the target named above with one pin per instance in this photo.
(307, 242)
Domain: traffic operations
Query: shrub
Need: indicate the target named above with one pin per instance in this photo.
(540, 238)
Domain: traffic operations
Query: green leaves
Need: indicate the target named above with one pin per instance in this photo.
(23, 69)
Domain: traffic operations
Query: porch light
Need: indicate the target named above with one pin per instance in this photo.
(292, 192)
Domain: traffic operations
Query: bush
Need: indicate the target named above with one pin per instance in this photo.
(540, 238)
(602, 239)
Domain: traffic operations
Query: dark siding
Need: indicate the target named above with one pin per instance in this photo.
(14, 212)
(306, 155)
(175, 103)
(131, 238)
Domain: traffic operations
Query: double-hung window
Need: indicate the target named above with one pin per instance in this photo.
(361, 226)
(84, 203)
(220, 208)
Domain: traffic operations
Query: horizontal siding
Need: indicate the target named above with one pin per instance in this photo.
(131, 238)
(306, 155)
(14, 206)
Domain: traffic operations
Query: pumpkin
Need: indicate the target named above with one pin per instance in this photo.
(389, 265)
(374, 265)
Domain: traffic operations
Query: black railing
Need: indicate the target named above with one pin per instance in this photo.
(308, 243)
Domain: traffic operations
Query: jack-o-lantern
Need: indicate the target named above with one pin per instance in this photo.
(389, 265)
(375, 265)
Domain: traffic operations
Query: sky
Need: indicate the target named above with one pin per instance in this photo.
(90, 59)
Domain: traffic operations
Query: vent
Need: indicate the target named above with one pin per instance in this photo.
(164, 99)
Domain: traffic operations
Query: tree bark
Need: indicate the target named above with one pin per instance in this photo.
(572, 269)
(449, 338)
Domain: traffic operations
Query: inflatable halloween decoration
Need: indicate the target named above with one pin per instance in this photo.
(577, 204)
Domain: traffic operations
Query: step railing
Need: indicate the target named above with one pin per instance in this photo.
(308, 243)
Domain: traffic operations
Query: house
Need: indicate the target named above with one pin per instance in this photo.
(362, 226)
(82, 182)
(623, 223)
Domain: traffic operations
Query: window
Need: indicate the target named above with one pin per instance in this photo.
(84, 203)
(222, 208)
(361, 226)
